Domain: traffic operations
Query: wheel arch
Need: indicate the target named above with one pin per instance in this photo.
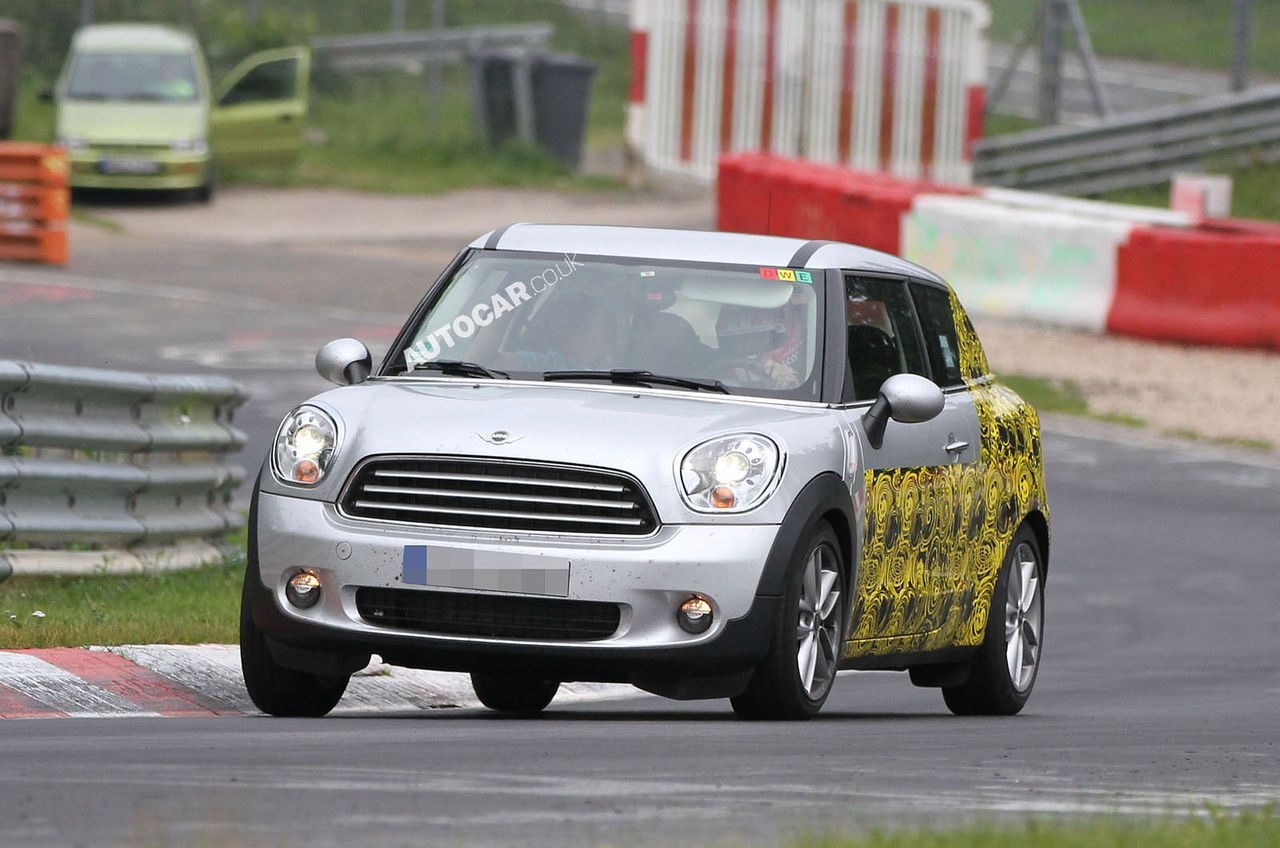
(825, 499)
(1039, 525)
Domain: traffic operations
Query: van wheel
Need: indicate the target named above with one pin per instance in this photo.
(277, 690)
(1004, 669)
(515, 695)
(795, 678)
(208, 190)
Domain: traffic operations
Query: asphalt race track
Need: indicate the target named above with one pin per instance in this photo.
(1159, 690)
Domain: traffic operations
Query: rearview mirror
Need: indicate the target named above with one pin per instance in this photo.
(907, 399)
(345, 362)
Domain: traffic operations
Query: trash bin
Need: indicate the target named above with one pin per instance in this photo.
(559, 89)
(493, 96)
(561, 94)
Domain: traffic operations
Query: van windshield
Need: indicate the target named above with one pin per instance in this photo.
(144, 77)
(755, 331)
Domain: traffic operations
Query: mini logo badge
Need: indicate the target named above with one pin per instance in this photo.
(499, 437)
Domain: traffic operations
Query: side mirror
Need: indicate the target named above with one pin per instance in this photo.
(906, 398)
(46, 95)
(345, 362)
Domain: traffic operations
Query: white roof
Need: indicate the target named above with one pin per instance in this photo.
(696, 246)
(134, 38)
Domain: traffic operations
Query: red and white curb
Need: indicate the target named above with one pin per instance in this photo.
(204, 680)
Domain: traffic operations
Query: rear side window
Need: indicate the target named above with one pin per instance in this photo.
(940, 340)
(882, 335)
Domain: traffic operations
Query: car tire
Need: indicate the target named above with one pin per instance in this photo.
(506, 693)
(1017, 612)
(208, 190)
(277, 690)
(796, 676)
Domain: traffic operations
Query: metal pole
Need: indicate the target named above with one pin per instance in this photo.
(1049, 109)
(435, 82)
(86, 12)
(1025, 41)
(1240, 47)
(1084, 47)
(397, 15)
(252, 11)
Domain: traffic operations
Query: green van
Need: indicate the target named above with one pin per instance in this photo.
(136, 110)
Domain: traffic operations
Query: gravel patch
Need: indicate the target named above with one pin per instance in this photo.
(1212, 393)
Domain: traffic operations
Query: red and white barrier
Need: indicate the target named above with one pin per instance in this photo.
(1098, 266)
(879, 85)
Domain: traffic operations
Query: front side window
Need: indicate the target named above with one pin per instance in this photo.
(141, 77)
(882, 336)
(532, 315)
(270, 81)
(939, 325)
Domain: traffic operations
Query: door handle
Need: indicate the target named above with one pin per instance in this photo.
(957, 447)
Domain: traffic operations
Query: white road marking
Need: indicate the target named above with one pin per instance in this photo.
(61, 690)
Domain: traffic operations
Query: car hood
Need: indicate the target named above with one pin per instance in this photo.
(131, 123)
(642, 433)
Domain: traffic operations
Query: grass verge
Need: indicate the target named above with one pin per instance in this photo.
(174, 607)
(1255, 190)
(1180, 32)
(160, 607)
(1247, 830)
(1063, 397)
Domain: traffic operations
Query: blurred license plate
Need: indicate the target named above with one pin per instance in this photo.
(129, 166)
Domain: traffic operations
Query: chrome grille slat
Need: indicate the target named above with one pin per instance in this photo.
(508, 481)
(499, 496)
(497, 513)
(492, 494)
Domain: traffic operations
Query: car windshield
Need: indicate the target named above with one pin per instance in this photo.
(149, 77)
(756, 331)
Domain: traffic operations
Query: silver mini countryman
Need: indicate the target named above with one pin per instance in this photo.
(710, 465)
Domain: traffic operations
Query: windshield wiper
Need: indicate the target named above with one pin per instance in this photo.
(629, 375)
(458, 368)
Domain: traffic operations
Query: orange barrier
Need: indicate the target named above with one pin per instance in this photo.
(34, 203)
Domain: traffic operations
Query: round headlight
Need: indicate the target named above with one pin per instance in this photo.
(729, 474)
(305, 445)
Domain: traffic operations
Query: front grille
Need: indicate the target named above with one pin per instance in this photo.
(496, 616)
(499, 495)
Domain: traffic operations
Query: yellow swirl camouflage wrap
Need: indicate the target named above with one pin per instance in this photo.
(935, 538)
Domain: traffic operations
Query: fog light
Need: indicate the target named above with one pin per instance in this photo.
(694, 615)
(303, 589)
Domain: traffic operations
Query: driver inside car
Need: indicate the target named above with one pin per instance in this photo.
(763, 346)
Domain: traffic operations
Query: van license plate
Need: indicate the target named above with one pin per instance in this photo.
(137, 167)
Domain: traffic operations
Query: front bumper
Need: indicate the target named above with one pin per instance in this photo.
(171, 171)
(646, 577)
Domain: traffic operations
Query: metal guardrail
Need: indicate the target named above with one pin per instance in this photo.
(115, 459)
(388, 50)
(1137, 149)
